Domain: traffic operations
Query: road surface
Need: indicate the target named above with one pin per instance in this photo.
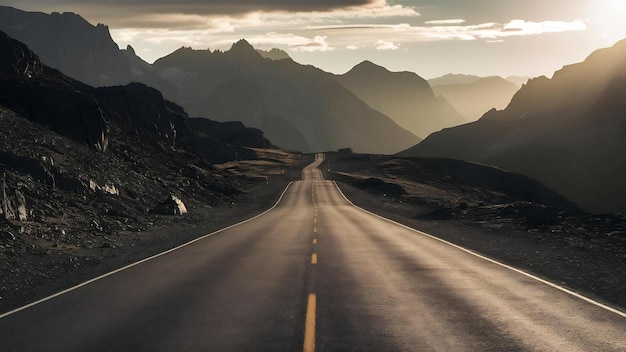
(315, 273)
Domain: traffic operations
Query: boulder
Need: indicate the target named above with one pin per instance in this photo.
(13, 206)
(172, 205)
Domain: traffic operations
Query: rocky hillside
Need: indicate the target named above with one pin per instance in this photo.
(124, 141)
(86, 173)
(404, 96)
(567, 132)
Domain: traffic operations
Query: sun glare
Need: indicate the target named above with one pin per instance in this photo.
(607, 16)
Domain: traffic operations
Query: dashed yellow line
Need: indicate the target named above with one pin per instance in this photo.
(315, 229)
(309, 327)
(315, 241)
(314, 258)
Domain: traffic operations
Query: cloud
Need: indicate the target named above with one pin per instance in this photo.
(193, 13)
(385, 45)
(291, 41)
(445, 22)
(203, 7)
(521, 27)
(487, 31)
(317, 44)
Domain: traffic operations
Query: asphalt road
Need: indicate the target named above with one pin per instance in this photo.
(315, 273)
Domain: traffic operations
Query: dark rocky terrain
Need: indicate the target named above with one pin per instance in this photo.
(500, 214)
(568, 132)
(92, 179)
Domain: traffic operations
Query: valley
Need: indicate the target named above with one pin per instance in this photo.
(239, 198)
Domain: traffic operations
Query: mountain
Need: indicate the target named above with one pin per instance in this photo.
(404, 96)
(274, 54)
(70, 44)
(97, 116)
(474, 99)
(298, 107)
(568, 132)
(93, 178)
(518, 80)
(456, 79)
(453, 79)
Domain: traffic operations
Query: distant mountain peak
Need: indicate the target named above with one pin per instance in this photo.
(368, 66)
(243, 49)
(453, 78)
(274, 54)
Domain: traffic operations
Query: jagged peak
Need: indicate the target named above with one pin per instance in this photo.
(243, 49)
(368, 66)
(274, 54)
(241, 44)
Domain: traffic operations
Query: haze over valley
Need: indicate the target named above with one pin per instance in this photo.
(351, 175)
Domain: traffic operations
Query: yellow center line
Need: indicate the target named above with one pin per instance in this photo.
(314, 258)
(315, 220)
(315, 241)
(315, 229)
(309, 327)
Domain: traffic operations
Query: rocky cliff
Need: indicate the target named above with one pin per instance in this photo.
(67, 42)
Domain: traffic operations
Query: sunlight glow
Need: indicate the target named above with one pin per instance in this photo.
(608, 18)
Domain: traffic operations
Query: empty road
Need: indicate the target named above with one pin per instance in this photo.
(315, 273)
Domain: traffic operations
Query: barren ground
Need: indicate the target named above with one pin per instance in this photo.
(502, 219)
(66, 246)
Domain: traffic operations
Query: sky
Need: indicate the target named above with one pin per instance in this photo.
(429, 37)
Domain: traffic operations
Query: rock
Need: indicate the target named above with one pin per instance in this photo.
(20, 205)
(5, 200)
(379, 186)
(145, 111)
(47, 97)
(13, 207)
(106, 188)
(170, 206)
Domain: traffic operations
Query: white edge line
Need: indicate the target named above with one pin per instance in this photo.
(570, 292)
(143, 260)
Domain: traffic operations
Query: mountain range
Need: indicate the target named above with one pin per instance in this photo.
(299, 107)
(404, 96)
(472, 96)
(568, 132)
(100, 116)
